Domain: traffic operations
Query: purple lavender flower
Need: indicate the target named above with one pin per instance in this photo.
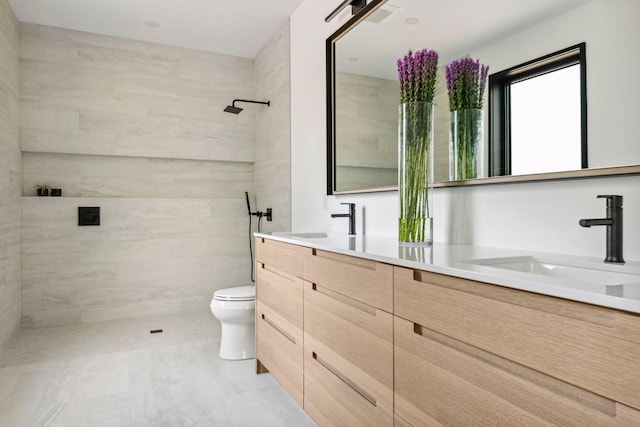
(417, 75)
(466, 82)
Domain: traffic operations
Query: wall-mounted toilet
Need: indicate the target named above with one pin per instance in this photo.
(235, 309)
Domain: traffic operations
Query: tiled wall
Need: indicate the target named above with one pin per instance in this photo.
(106, 176)
(89, 94)
(137, 129)
(10, 175)
(273, 131)
(149, 256)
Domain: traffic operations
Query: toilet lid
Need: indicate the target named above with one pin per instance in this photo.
(239, 293)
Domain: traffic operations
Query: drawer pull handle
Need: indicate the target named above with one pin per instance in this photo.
(417, 275)
(372, 311)
(274, 326)
(346, 380)
(417, 329)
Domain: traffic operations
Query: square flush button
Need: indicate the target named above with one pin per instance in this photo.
(89, 215)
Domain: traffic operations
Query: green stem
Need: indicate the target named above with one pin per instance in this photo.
(466, 143)
(415, 134)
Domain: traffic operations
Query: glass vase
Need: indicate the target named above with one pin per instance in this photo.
(415, 173)
(466, 150)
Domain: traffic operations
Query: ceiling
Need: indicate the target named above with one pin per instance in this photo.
(452, 28)
(231, 27)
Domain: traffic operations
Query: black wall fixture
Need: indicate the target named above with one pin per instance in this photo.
(88, 215)
(236, 110)
(356, 6)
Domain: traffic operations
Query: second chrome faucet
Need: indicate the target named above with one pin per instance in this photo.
(351, 215)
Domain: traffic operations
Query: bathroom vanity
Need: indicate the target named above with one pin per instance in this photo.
(361, 331)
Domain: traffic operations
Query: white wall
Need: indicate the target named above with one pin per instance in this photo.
(613, 59)
(539, 216)
(308, 115)
(10, 175)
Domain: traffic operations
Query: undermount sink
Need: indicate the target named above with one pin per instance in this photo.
(608, 281)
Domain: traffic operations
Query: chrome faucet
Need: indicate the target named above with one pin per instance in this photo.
(351, 215)
(613, 222)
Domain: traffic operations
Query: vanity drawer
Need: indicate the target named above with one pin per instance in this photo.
(282, 293)
(442, 381)
(594, 348)
(354, 341)
(332, 398)
(364, 280)
(280, 352)
(281, 256)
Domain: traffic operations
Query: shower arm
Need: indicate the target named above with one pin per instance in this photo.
(267, 103)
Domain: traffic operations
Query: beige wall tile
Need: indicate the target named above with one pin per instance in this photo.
(83, 38)
(35, 140)
(9, 24)
(272, 167)
(138, 129)
(46, 118)
(124, 60)
(149, 256)
(128, 124)
(142, 95)
(43, 49)
(10, 175)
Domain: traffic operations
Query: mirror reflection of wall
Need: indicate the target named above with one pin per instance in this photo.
(366, 121)
(608, 27)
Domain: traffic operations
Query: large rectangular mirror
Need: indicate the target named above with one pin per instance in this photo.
(362, 84)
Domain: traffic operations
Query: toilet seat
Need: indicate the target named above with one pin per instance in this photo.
(239, 293)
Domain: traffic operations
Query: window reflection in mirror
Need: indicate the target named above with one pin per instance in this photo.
(552, 99)
(537, 115)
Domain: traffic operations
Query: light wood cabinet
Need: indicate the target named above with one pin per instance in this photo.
(348, 359)
(361, 279)
(279, 314)
(359, 342)
(281, 256)
(469, 353)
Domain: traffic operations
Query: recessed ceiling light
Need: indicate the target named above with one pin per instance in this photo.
(353, 59)
(152, 24)
(411, 21)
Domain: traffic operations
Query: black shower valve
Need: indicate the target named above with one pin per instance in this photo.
(268, 214)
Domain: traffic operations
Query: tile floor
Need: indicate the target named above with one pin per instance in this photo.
(118, 374)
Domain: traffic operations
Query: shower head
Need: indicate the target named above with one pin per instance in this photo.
(232, 109)
(236, 110)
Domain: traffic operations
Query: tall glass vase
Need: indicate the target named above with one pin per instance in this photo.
(466, 152)
(415, 173)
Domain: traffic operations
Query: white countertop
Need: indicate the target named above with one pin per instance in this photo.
(454, 260)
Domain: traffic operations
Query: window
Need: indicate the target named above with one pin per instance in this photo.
(538, 115)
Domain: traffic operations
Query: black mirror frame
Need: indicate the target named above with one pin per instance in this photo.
(331, 90)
